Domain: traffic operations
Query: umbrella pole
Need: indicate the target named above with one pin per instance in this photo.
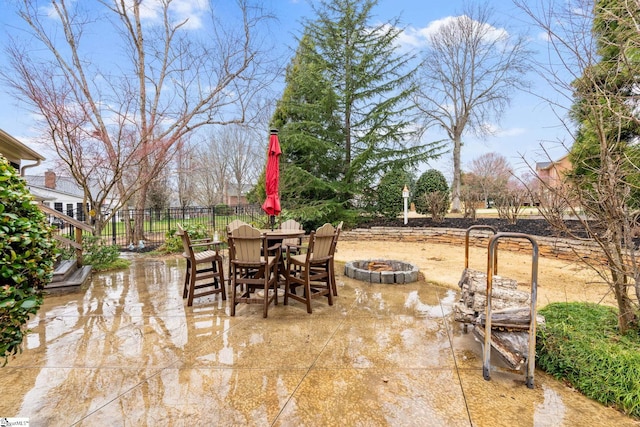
(272, 219)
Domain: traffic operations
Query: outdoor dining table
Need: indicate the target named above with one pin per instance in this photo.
(277, 235)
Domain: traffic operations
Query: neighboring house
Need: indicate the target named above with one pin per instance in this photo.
(233, 197)
(58, 192)
(16, 152)
(553, 173)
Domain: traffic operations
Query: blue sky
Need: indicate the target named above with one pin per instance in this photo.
(527, 123)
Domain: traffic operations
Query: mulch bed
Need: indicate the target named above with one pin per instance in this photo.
(533, 227)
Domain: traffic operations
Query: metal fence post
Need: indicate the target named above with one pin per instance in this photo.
(113, 229)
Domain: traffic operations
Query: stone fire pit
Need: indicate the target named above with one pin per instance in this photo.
(381, 271)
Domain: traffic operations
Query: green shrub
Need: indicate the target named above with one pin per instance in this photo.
(313, 216)
(580, 344)
(389, 194)
(223, 210)
(95, 252)
(430, 188)
(173, 242)
(98, 254)
(27, 255)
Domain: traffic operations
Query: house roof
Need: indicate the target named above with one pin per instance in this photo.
(15, 150)
(543, 165)
(547, 165)
(64, 185)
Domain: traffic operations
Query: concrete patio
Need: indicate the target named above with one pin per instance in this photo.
(127, 351)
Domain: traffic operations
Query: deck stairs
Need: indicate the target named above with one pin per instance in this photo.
(68, 275)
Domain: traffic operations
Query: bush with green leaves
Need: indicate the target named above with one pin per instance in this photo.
(98, 254)
(390, 203)
(95, 252)
(222, 209)
(27, 256)
(431, 194)
(173, 242)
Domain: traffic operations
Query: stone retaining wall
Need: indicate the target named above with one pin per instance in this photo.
(567, 249)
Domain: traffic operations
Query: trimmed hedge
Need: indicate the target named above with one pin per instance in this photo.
(27, 255)
(431, 182)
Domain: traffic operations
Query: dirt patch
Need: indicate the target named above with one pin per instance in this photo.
(443, 264)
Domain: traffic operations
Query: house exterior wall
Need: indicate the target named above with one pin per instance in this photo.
(553, 173)
(59, 193)
(235, 200)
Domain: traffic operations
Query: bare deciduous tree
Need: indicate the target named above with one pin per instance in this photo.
(116, 121)
(186, 174)
(509, 202)
(467, 78)
(437, 202)
(601, 191)
(470, 199)
(160, 192)
(230, 160)
(492, 173)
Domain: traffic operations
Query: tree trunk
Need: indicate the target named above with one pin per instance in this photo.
(98, 224)
(138, 231)
(455, 185)
(626, 314)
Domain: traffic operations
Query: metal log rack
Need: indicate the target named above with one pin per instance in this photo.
(466, 255)
(491, 270)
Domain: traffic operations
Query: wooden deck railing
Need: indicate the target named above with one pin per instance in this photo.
(77, 229)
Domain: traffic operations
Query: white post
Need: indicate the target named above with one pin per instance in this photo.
(405, 196)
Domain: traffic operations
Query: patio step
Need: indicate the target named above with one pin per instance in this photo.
(67, 274)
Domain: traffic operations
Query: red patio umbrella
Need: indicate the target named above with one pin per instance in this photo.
(272, 178)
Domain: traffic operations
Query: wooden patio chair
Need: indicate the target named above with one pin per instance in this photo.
(204, 274)
(234, 224)
(230, 227)
(334, 248)
(253, 269)
(312, 270)
(291, 224)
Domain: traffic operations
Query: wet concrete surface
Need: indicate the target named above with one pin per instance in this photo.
(127, 351)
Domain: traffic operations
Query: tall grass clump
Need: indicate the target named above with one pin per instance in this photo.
(581, 344)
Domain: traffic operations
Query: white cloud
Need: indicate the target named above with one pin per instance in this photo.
(180, 10)
(435, 26)
(411, 37)
(417, 37)
(151, 11)
(544, 36)
(191, 10)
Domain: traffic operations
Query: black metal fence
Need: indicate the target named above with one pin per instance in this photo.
(158, 222)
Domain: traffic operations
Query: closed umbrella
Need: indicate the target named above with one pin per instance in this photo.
(272, 178)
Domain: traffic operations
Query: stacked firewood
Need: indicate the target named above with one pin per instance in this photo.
(510, 313)
(509, 305)
(379, 266)
(473, 299)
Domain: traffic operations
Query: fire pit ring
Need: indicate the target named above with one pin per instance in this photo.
(381, 271)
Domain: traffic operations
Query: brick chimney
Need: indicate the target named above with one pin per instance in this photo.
(50, 179)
